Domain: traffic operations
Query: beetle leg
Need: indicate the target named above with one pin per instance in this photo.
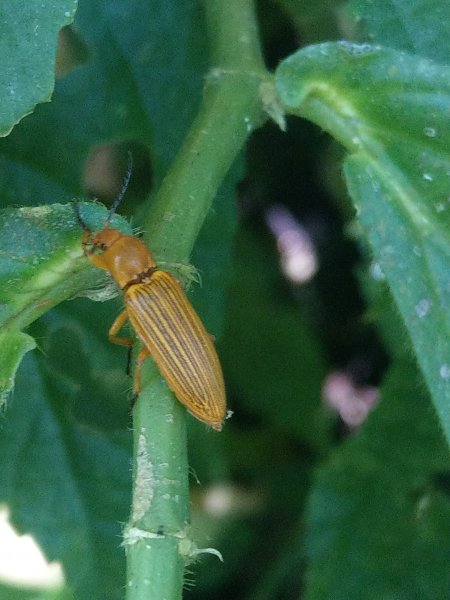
(116, 327)
(129, 358)
(143, 354)
(124, 341)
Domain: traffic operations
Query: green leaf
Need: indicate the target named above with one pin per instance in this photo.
(418, 26)
(14, 345)
(15, 593)
(379, 513)
(279, 369)
(62, 474)
(132, 88)
(142, 84)
(390, 110)
(41, 264)
(28, 38)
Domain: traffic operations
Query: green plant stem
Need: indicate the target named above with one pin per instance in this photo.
(231, 109)
(157, 535)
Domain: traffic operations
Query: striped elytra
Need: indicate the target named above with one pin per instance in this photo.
(163, 319)
(166, 323)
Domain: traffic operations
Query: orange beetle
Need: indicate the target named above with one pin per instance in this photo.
(163, 319)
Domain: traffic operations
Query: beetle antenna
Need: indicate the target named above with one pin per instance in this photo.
(76, 207)
(123, 189)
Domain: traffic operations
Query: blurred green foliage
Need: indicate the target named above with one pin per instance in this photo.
(299, 504)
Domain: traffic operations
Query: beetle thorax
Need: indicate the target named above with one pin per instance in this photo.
(128, 259)
(125, 257)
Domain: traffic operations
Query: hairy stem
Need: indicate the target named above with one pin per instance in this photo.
(157, 535)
